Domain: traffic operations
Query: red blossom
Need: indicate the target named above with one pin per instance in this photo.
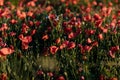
(71, 35)
(25, 28)
(25, 45)
(60, 78)
(45, 37)
(97, 16)
(53, 49)
(40, 72)
(89, 41)
(48, 8)
(111, 54)
(6, 51)
(95, 43)
(89, 32)
(64, 44)
(4, 27)
(113, 50)
(30, 13)
(12, 34)
(33, 31)
(100, 36)
(1, 2)
(31, 4)
(71, 45)
(68, 29)
(57, 41)
(87, 48)
(25, 41)
(13, 21)
(3, 76)
(98, 22)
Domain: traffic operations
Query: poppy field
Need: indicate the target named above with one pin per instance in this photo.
(60, 40)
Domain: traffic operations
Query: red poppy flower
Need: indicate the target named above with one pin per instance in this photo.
(53, 49)
(12, 34)
(45, 37)
(31, 4)
(1, 2)
(97, 16)
(89, 41)
(71, 35)
(112, 55)
(27, 39)
(61, 78)
(6, 51)
(64, 44)
(100, 36)
(25, 45)
(71, 45)
(25, 28)
(13, 21)
(87, 48)
(57, 41)
(4, 27)
(3, 76)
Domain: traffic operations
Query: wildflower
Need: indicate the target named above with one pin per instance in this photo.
(89, 41)
(33, 31)
(45, 37)
(48, 8)
(1, 2)
(50, 74)
(40, 72)
(60, 78)
(94, 3)
(12, 34)
(95, 43)
(13, 21)
(98, 22)
(100, 36)
(71, 45)
(82, 78)
(81, 48)
(87, 48)
(97, 16)
(3, 76)
(114, 48)
(4, 27)
(5, 51)
(68, 29)
(25, 45)
(26, 39)
(62, 1)
(53, 49)
(25, 28)
(114, 78)
(37, 23)
(64, 44)
(104, 30)
(89, 32)
(30, 23)
(101, 77)
(87, 17)
(30, 13)
(31, 4)
(111, 54)
(71, 35)
(109, 10)
(57, 41)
